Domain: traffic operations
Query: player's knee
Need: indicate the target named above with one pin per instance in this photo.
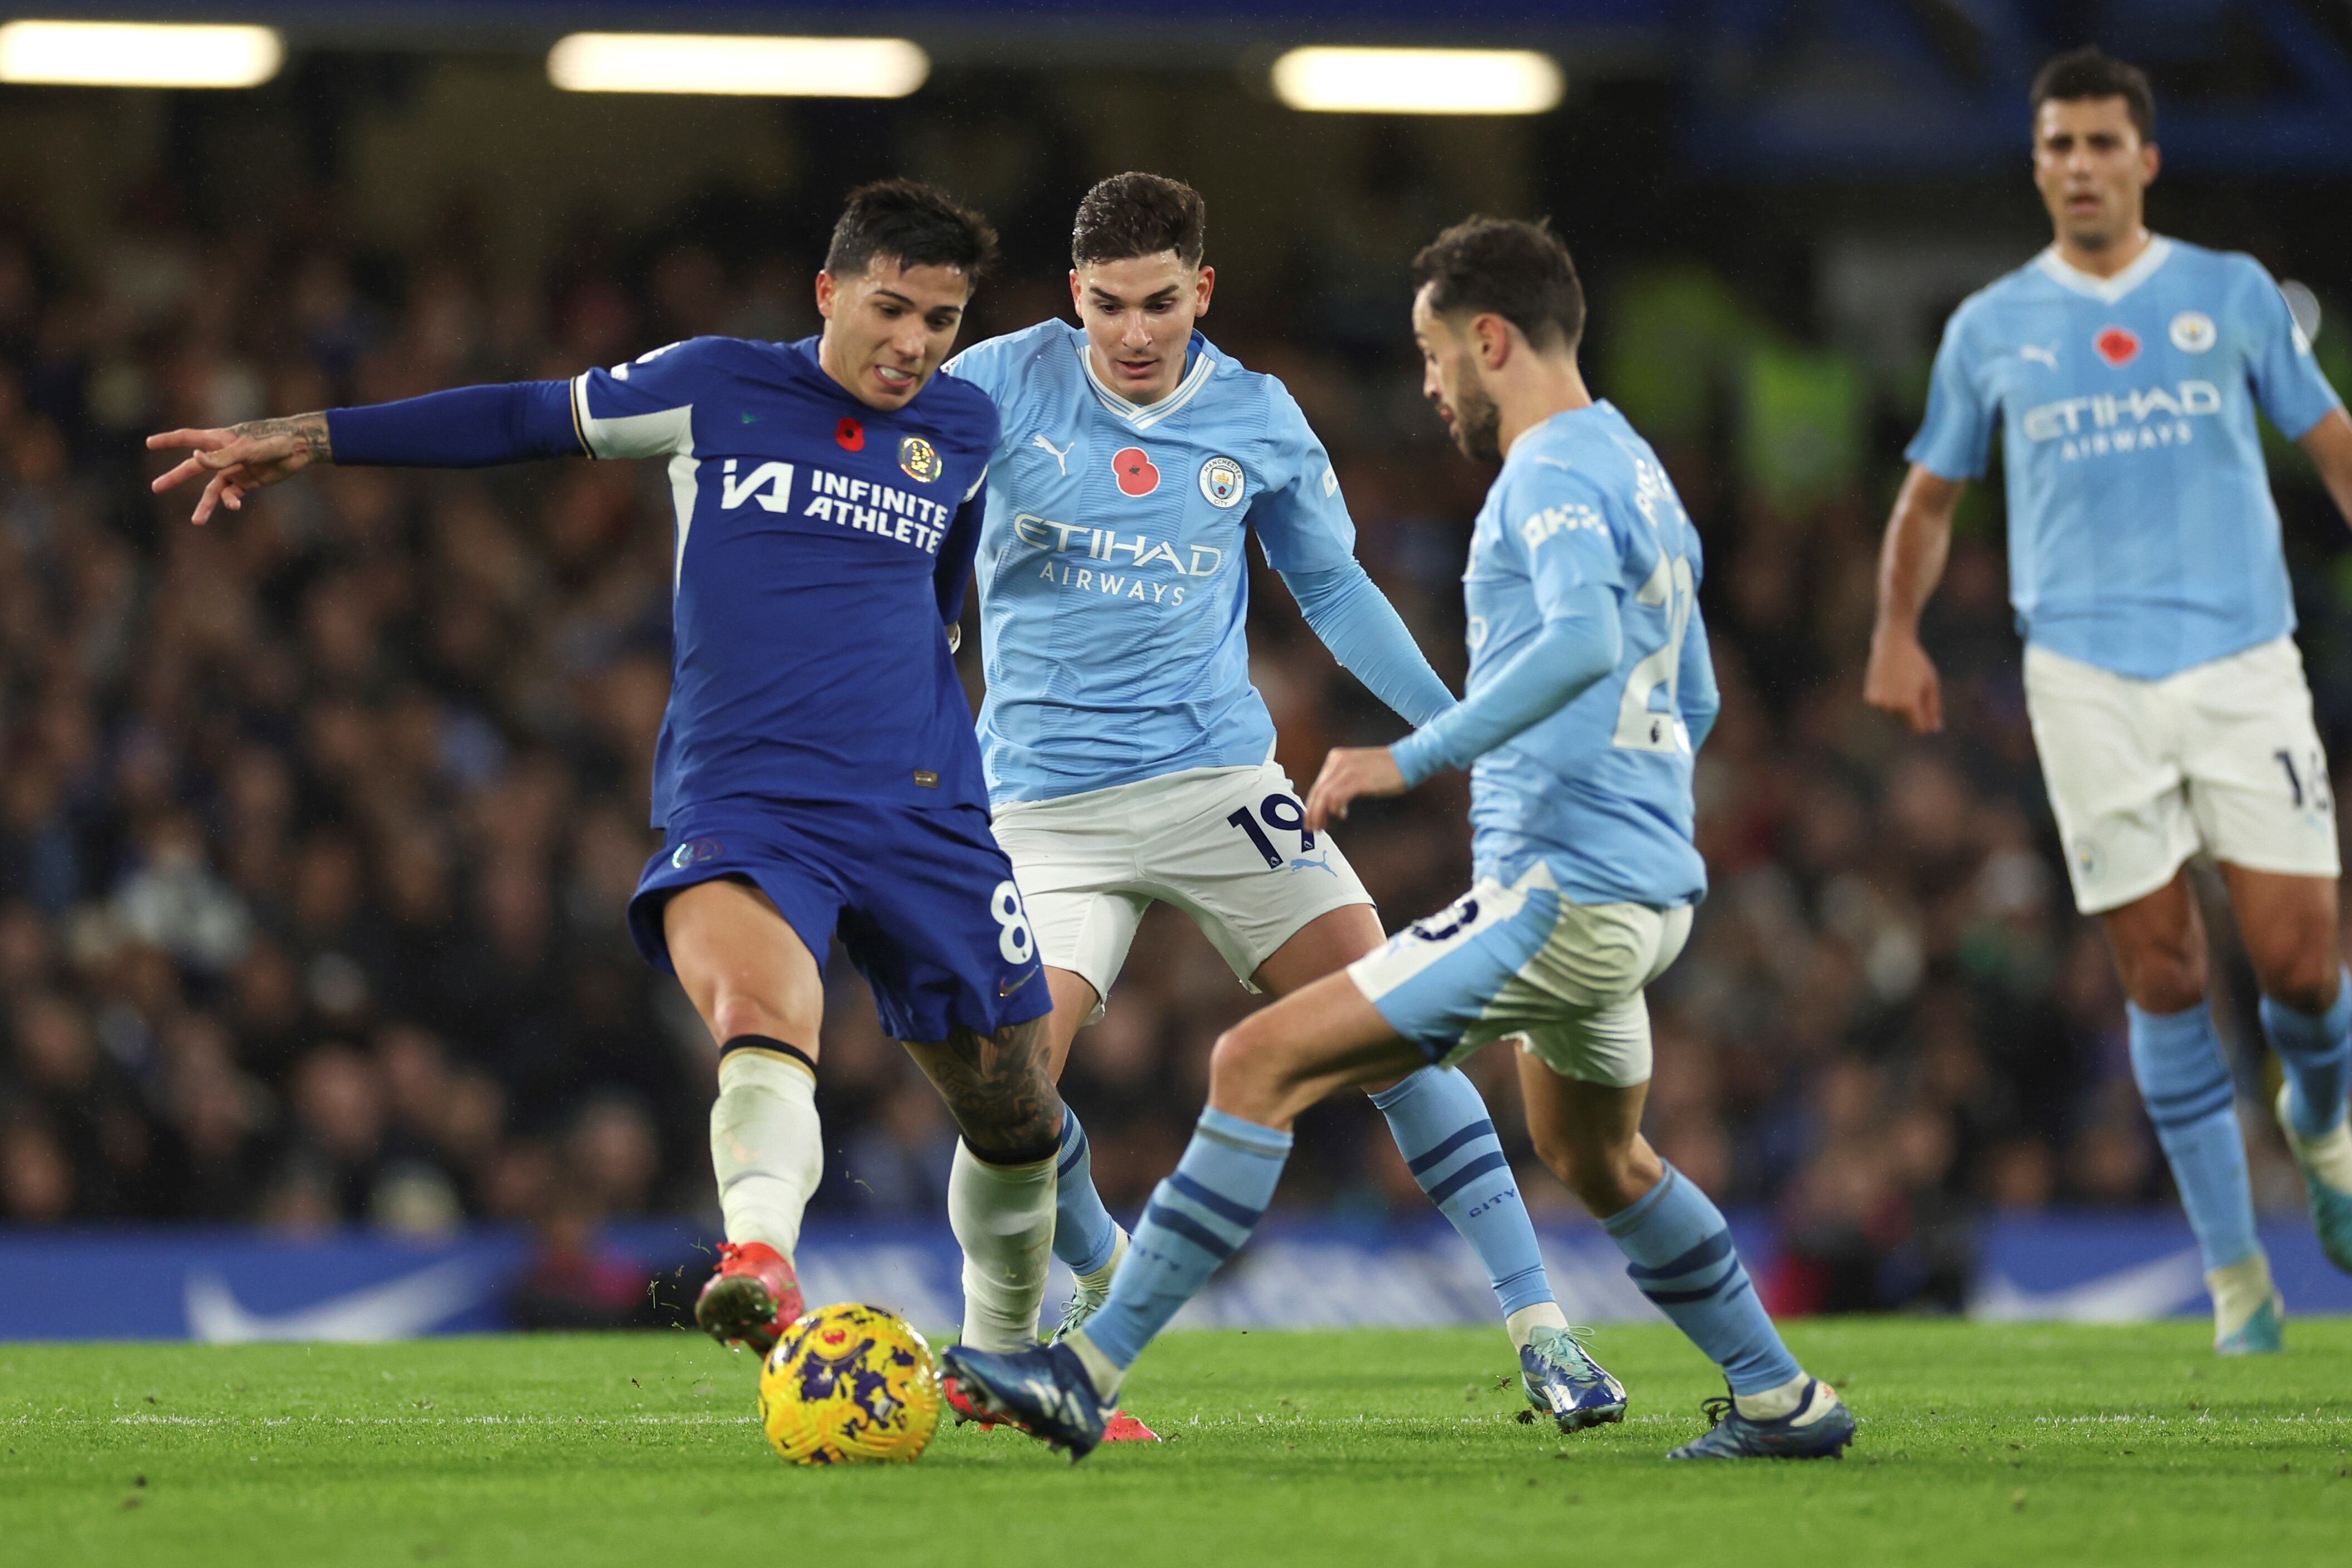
(735, 1014)
(2304, 980)
(1603, 1178)
(2163, 977)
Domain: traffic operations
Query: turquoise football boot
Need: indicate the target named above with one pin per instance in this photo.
(1565, 1382)
(1084, 1302)
(2264, 1333)
(2326, 1165)
(1737, 1436)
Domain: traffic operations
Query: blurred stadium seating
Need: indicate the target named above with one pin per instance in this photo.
(316, 824)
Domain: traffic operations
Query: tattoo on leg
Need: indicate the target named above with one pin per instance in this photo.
(1000, 1089)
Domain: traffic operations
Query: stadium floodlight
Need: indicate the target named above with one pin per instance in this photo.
(138, 54)
(770, 66)
(1419, 81)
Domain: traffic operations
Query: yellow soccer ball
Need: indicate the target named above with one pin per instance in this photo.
(850, 1386)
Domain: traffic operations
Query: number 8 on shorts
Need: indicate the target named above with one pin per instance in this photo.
(1013, 939)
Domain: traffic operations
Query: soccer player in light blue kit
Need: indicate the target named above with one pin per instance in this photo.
(1589, 691)
(1130, 759)
(2162, 677)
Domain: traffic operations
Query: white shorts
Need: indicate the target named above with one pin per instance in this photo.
(2222, 757)
(1227, 846)
(1569, 979)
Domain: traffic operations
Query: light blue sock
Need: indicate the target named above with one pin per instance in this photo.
(2316, 1053)
(2177, 1059)
(1083, 1231)
(1684, 1261)
(1442, 1129)
(1197, 1218)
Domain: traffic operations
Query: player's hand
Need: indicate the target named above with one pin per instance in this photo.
(1349, 773)
(1902, 680)
(243, 457)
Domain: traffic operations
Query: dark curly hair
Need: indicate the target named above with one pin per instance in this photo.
(920, 224)
(1519, 271)
(1140, 215)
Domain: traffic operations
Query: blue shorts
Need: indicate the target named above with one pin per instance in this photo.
(922, 898)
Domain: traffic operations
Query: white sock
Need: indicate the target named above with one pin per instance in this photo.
(1522, 1324)
(1773, 1404)
(2328, 1156)
(1096, 1285)
(2238, 1292)
(766, 1147)
(1003, 1217)
(1105, 1373)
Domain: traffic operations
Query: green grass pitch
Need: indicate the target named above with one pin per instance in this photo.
(2004, 1446)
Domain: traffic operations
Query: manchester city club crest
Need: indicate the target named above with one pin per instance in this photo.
(1221, 482)
(2192, 331)
(919, 457)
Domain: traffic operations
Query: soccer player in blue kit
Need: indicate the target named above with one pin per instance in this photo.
(816, 771)
(1589, 691)
(2161, 677)
(1130, 759)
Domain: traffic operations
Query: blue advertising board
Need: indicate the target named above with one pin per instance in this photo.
(229, 1286)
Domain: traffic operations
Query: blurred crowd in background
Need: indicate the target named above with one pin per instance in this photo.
(317, 824)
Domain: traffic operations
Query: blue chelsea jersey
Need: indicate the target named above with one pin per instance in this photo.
(1113, 586)
(819, 543)
(1599, 791)
(2142, 534)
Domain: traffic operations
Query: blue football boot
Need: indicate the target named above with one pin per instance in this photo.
(1737, 1436)
(1565, 1382)
(1044, 1390)
(2326, 1165)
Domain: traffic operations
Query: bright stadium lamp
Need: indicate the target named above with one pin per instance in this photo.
(138, 54)
(770, 66)
(1419, 81)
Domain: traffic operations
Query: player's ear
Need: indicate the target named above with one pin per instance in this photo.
(1491, 337)
(1205, 286)
(1077, 294)
(2150, 160)
(825, 290)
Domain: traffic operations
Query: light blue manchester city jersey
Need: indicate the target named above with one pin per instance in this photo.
(1600, 790)
(1113, 586)
(2142, 535)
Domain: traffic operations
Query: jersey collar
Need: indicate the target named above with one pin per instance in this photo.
(1144, 416)
(2107, 289)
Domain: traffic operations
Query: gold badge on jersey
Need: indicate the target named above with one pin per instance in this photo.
(920, 458)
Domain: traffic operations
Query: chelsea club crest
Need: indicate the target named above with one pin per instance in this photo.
(919, 457)
(1221, 482)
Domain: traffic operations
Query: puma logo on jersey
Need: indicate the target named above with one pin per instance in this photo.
(2040, 355)
(1061, 454)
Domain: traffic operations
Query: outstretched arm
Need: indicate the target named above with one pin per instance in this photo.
(1901, 677)
(1580, 642)
(470, 427)
(1355, 620)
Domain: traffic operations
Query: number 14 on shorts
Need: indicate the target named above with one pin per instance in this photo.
(1281, 813)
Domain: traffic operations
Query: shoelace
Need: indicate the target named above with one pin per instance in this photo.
(1717, 1411)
